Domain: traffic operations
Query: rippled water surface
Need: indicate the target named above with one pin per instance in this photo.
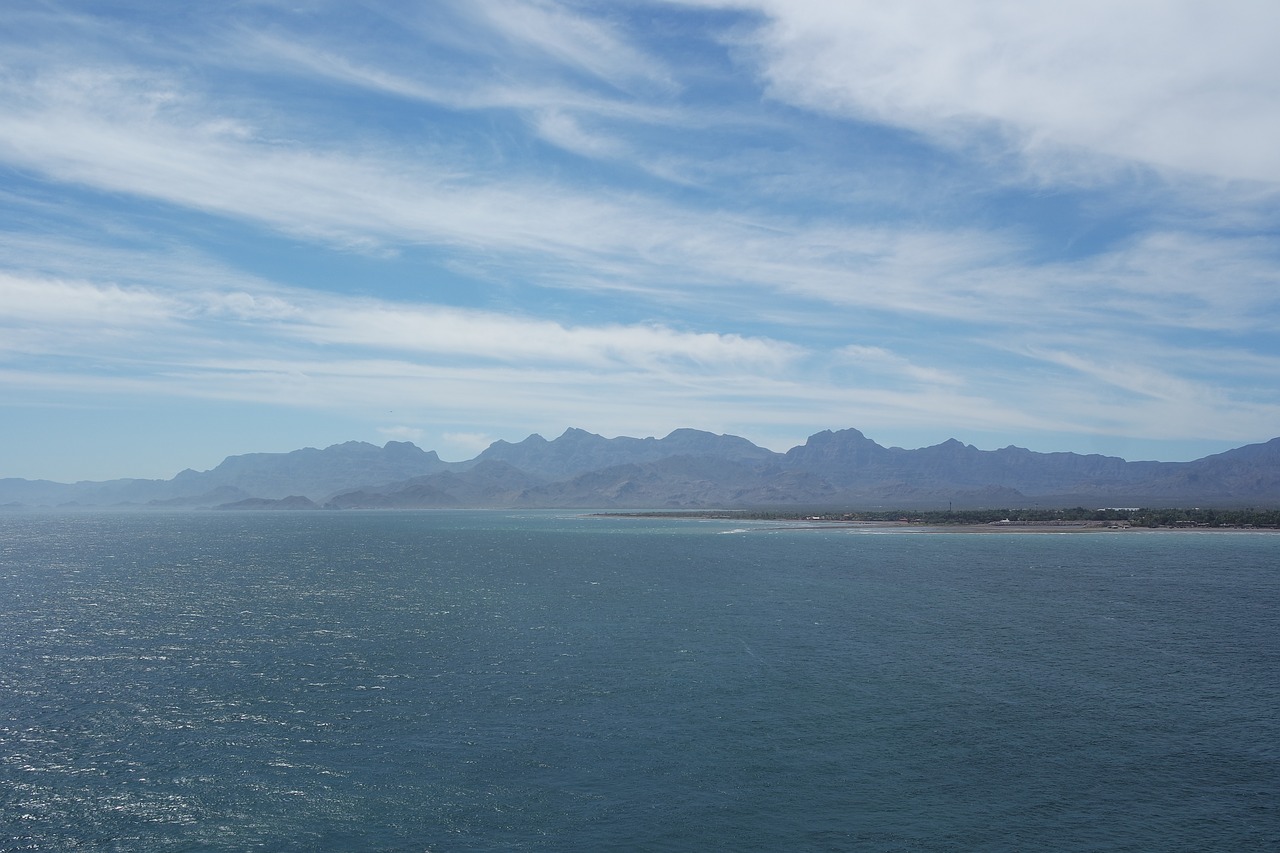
(489, 681)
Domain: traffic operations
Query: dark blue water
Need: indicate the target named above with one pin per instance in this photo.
(488, 681)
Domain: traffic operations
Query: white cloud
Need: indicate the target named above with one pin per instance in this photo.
(351, 64)
(109, 134)
(29, 300)
(1135, 378)
(111, 137)
(560, 115)
(589, 44)
(469, 443)
(402, 433)
(877, 360)
(485, 335)
(1070, 394)
(184, 327)
(1178, 84)
(564, 131)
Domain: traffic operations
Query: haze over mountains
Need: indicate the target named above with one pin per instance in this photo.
(688, 469)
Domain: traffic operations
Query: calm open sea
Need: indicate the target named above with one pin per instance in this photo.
(462, 681)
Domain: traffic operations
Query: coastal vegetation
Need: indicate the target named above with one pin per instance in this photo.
(1172, 518)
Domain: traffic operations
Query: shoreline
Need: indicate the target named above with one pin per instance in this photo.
(995, 527)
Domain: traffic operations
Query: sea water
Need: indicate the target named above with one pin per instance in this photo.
(453, 681)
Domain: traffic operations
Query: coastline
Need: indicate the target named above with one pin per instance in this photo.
(971, 528)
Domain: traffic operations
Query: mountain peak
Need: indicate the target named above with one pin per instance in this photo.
(575, 434)
(828, 441)
(350, 445)
(843, 436)
(687, 432)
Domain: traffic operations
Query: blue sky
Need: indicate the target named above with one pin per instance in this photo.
(257, 226)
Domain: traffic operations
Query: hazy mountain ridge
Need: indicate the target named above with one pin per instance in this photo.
(687, 469)
(308, 472)
(577, 451)
(313, 472)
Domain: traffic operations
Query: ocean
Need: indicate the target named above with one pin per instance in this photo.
(492, 681)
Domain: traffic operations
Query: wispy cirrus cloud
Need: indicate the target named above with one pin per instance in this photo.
(881, 360)
(355, 66)
(373, 325)
(155, 140)
(590, 44)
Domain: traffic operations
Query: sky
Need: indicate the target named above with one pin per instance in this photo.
(258, 226)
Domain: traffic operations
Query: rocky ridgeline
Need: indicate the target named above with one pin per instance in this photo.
(688, 469)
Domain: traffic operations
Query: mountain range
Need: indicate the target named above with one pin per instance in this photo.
(688, 469)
